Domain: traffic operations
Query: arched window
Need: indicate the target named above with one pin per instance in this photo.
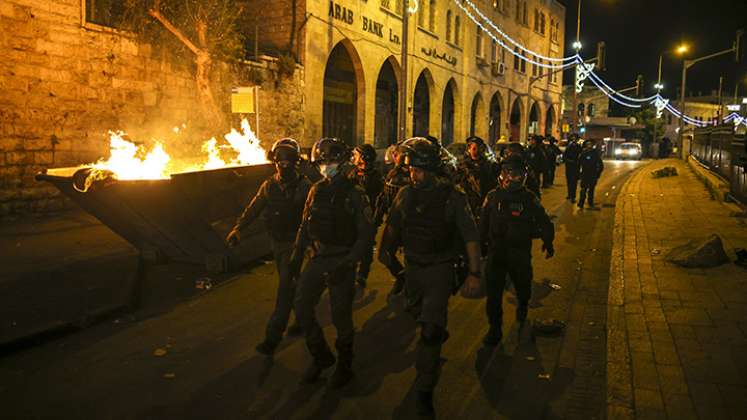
(432, 16)
(478, 42)
(516, 58)
(457, 30)
(448, 26)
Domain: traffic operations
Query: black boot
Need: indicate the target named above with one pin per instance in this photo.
(399, 285)
(494, 336)
(267, 347)
(342, 375)
(312, 373)
(424, 404)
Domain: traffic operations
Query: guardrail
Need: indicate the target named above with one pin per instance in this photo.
(725, 153)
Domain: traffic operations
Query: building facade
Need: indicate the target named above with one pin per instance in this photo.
(459, 81)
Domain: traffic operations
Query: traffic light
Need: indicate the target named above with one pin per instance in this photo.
(601, 55)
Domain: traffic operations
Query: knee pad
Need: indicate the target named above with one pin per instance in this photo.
(431, 334)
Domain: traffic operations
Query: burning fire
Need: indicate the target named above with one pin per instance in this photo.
(129, 161)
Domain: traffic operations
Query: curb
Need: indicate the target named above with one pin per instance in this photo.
(717, 186)
(619, 371)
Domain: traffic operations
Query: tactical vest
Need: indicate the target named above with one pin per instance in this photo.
(284, 210)
(426, 228)
(395, 180)
(332, 217)
(510, 221)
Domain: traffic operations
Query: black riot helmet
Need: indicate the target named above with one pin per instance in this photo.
(515, 148)
(513, 174)
(367, 153)
(329, 150)
(421, 153)
(477, 140)
(285, 149)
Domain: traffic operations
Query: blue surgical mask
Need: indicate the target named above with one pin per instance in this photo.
(329, 170)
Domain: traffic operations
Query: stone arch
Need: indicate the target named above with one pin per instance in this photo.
(343, 99)
(421, 103)
(515, 118)
(533, 122)
(494, 117)
(449, 107)
(386, 107)
(550, 119)
(477, 118)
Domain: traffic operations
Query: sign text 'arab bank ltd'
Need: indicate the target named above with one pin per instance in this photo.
(345, 15)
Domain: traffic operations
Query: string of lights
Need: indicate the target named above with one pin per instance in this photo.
(586, 72)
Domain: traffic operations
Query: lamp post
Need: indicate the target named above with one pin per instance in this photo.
(577, 47)
(403, 77)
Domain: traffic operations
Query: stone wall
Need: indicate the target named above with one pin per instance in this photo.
(65, 83)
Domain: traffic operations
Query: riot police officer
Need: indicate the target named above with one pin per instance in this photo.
(477, 172)
(280, 200)
(337, 225)
(515, 150)
(591, 167)
(537, 159)
(431, 220)
(552, 151)
(511, 217)
(396, 179)
(368, 177)
(571, 157)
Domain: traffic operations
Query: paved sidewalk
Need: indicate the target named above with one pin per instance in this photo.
(677, 338)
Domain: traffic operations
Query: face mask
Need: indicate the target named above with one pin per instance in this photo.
(328, 170)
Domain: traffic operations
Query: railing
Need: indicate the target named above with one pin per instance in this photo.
(724, 153)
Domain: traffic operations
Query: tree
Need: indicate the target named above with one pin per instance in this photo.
(652, 127)
(199, 30)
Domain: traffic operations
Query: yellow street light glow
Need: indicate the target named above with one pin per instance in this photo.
(682, 49)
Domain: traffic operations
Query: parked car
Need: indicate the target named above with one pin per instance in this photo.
(629, 151)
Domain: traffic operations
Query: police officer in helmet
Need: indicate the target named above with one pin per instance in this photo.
(369, 178)
(478, 172)
(280, 201)
(512, 217)
(428, 219)
(337, 226)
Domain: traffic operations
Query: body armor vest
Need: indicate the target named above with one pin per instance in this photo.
(395, 180)
(332, 218)
(511, 221)
(426, 229)
(284, 210)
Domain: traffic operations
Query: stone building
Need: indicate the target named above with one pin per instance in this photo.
(459, 81)
(68, 76)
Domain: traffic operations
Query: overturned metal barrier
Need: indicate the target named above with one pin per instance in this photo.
(184, 218)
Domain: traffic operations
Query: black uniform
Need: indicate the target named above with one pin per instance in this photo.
(396, 179)
(537, 162)
(477, 178)
(429, 223)
(280, 202)
(532, 182)
(571, 158)
(371, 181)
(337, 224)
(509, 222)
(591, 166)
(552, 152)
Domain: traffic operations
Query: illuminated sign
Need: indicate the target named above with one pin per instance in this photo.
(733, 107)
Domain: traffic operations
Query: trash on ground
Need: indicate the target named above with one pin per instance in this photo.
(655, 251)
(169, 375)
(665, 172)
(204, 283)
(741, 257)
(545, 376)
(555, 286)
(704, 253)
(159, 352)
(531, 358)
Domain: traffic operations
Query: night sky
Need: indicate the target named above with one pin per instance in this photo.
(637, 31)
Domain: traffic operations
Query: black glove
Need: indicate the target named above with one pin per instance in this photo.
(548, 250)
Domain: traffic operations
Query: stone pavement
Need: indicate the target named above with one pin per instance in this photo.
(677, 338)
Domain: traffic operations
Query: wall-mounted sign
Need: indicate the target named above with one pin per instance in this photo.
(431, 52)
(376, 28)
(242, 100)
(733, 107)
(341, 13)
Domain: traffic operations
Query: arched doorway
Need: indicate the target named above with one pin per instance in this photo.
(494, 123)
(385, 122)
(447, 114)
(340, 109)
(515, 120)
(533, 122)
(421, 105)
(550, 121)
(477, 116)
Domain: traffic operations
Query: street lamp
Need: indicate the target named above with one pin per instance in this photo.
(577, 47)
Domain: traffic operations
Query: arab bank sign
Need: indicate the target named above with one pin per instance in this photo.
(345, 15)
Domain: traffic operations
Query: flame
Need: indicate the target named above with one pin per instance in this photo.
(125, 161)
(129, 161)
(214, 159)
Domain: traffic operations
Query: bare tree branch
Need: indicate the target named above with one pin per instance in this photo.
(156, 14)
